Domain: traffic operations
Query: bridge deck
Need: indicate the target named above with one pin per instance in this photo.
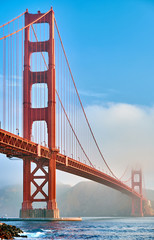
(15, 146)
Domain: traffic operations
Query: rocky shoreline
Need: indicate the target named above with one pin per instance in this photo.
(9, 231)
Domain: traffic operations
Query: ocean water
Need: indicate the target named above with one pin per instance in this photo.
(90, 228)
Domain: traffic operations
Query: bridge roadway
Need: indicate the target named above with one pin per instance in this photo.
(15, 146)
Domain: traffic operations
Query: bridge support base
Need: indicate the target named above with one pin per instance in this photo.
(45, 175)
(39, 213)
(137, 208)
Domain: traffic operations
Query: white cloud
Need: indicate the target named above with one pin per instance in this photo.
(92, 94)
(125, 134)
(12, 77)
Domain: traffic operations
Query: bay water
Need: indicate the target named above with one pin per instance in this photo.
(90, 228)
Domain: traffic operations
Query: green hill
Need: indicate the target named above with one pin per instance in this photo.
(84, 199)
(93, 199)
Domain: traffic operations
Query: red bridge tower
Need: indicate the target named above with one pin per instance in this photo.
(137, 208)
(47, 114)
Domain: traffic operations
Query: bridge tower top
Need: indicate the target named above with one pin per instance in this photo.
(30, 78)
(137, 180)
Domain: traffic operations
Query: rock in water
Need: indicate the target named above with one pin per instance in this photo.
(9, 231)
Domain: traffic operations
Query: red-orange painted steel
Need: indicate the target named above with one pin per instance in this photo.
(137, 208)
(37, 114)
(13, 145)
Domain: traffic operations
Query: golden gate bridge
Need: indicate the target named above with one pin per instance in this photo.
(43, 121)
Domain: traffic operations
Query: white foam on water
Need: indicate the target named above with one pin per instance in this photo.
(35, 235)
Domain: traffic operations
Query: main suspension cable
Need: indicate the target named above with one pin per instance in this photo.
(26, 25)
(124, 172)
(13, 19)
(64, 108)
(82, 105)
(30, 24)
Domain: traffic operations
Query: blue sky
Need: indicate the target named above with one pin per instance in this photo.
(110, 48)
(109, 45)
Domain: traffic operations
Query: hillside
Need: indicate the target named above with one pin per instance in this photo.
(10, 200)
(83, 199)
(92, 199)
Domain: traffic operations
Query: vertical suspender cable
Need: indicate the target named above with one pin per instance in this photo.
(33, 89)
(17, 64)
(58, 87)
(22, 74)
(61, 98)
(44, 86)
(4, 81)
(69, 115)
(37, 97)
(64, 106)
(40, 99)
(35, 67)
(56, 78)
(18, 79)
(10, 83)
(13, 80)
(8, 78)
